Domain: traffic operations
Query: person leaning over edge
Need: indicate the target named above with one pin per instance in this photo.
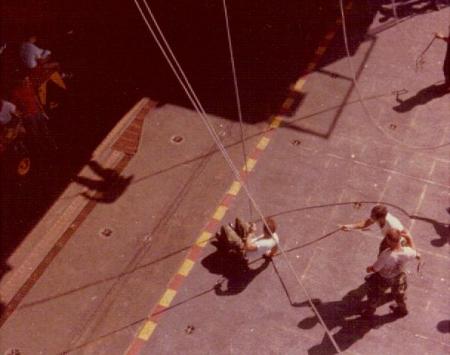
(388, 272)
(386, 221)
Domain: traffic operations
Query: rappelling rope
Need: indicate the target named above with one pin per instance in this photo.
(238, 99)
(360, 96)
(420, 59)
(197, 105)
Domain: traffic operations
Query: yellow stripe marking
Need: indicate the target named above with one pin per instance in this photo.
(262, 144)
(288, 103)
(203, 239)
(250, 164)
(167, 298)
(220, 212)
(147, 331)
(235, 188)
(299, 84)
(276, 122)
(186, 268)
(321, 50)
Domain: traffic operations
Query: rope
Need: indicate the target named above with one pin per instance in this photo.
(360, 96)
(420, 59)
(194, 100)
(236, 91)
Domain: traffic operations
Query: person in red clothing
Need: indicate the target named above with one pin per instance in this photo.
(32, 113)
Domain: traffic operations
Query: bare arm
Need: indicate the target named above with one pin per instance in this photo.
(249, 246)
(272, 251)
(409, 241)
(441, 36)
(359, 225)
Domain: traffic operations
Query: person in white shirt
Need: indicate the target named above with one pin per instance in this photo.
(265, 245)
(7, 112)
(388, 272)
(31, 55)
(386, 221)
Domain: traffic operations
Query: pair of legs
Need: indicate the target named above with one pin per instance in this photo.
(378, 285)
(235, 236)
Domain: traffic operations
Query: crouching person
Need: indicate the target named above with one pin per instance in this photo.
(388, 272)
(265, 245)
(240, 238)
(234, 237)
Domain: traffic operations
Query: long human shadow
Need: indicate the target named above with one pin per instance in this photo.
(343, 314)
(133, 263)
(233, 268)
(409, 9)
(422, 97)
(442, 229)
(106, 190)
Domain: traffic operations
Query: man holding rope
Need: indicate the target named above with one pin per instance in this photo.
(386, 221)
(388, 272)
(446, 67)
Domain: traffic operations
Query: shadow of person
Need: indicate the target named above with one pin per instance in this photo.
(417, 7)
(442, 229)
(234, 269)
(344, 314)
(422, 97)
(107, 190)
(444, 326)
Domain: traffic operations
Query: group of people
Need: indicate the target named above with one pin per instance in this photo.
(20, 106)
(387, 272)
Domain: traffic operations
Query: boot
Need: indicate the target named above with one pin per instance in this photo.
(400, 310)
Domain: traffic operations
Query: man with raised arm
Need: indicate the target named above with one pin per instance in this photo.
(386, 221)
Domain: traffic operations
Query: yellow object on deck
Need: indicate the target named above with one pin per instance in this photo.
(42, 90)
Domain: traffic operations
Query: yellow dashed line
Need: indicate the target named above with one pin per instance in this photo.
(203, 239)
(220, 212)
(276, 122)
(299, 84)
(321, 50)
(250, 165)
(167, 298)
(288, 103)
(185, 269)
(235, 187)
(262, 144)
(147, 331)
